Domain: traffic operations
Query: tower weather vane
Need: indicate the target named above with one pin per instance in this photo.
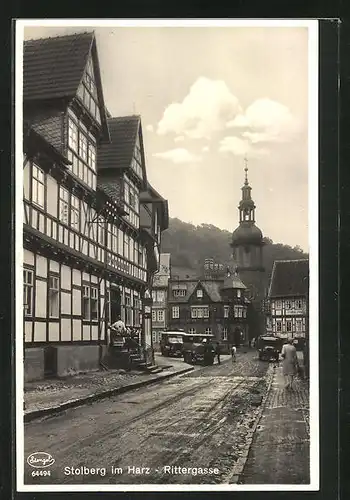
(246, 169)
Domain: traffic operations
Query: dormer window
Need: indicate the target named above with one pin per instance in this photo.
(199, 293)
(179, 292)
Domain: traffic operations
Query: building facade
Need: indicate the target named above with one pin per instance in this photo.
(216, 307)
(160, 298)
(247, 251)
(288, 300)
(90, 252)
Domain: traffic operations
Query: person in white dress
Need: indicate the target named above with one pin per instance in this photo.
(290, 363)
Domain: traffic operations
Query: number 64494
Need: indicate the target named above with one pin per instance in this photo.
(41, 473)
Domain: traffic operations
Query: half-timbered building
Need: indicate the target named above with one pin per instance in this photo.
(212, 306)
(288, 299)
(87, 256)
(160, 298)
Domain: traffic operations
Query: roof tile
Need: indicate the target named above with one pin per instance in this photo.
(53, 67)
(119, 152)
(289, 278)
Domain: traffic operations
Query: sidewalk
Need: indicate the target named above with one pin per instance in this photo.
(45, 397)
(279, 453)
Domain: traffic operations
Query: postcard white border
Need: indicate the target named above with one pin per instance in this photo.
(313, 27)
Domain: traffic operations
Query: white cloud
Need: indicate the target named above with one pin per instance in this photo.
(266, 121)
(149, 128)
(178, 155)
(180, 138)
(206, 109)
(240, 147)
(205, 149)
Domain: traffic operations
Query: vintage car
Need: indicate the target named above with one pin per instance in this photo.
(269, 347)
(171, 343)
(198, 349)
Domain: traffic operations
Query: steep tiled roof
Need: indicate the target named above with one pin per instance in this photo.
(123, 132)
(53, 67)
(233, 281)
(289, 278)
(213, 289)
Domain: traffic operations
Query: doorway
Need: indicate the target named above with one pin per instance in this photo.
(115, 305)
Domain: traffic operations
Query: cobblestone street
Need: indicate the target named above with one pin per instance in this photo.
(203, 419)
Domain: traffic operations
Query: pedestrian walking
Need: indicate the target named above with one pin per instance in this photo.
(233, 353)
(290, 363)
(218, 352)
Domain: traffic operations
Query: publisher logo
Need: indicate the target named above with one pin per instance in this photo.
(40, 459)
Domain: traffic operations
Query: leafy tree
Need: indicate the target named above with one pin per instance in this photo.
(190, 245)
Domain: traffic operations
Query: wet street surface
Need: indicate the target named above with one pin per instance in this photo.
(198, 421)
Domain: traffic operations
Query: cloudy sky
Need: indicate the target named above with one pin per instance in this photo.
(207, 97)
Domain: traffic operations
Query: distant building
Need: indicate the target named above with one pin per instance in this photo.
(247, 251)
(217, 307)
(160, 298)
(288, 299)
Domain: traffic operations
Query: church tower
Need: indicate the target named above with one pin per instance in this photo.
(247, 251)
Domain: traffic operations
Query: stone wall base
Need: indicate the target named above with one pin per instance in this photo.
(33, 364)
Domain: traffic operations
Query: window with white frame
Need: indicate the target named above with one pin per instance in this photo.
(137, 311)
(175, 312)
(278, 326)
(226, 311)
(126, 246)
(128, 309)
(90, 303)
(87, 92)
(287, 304)
(298, 304)
(101, 235)
(38, 186)
(81, 150)
(289, 326)
(154, 316)
(199, 293)
(224, 333)
(28, 285)
(160, 315)
(238, 311)
(94, 303)
(64, 205)
(208, 331)
(200, 312)
(278, 304)
(86, 302)
(298, 326)
(179, 292)
(75, 212)
(53, 296)
(192, 331)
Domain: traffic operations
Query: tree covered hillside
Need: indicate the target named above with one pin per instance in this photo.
(189, 245)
